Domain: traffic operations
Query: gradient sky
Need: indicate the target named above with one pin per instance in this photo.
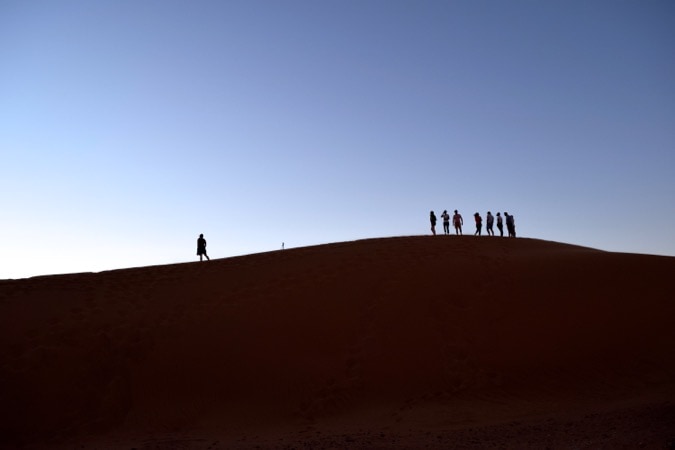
(129, 127)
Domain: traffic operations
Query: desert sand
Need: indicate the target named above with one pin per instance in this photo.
(406, 342)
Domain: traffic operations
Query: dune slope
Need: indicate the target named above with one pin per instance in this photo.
(417, 337)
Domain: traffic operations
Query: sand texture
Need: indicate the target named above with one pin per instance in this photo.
(407, 342)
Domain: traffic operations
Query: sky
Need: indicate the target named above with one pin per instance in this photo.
(129, 127)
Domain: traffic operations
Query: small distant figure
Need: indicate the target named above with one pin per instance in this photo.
(446, 222)
(500, 225)
(282, 245)
(490, 220)
(457, 221)
(432, 219)
(510, 224)
(479, 224)
(201, 248)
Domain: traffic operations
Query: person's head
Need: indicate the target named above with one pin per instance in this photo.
(506, 214)
(455, 211)
(201, 235)
(476, 214)
(498, 214)
(489, 213)
(445, 211)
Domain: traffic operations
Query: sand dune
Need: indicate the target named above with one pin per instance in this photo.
(411, 342)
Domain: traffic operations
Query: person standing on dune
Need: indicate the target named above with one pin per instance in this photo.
(510, 224)
(490, 222)
(432, 219)
(201, 248)
(446, 221)
(500, 224)
(479, 224)
(457, 221)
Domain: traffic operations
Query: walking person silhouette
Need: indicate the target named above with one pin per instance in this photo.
(490, 221)
(500, 224)
(432, 219)
(510, 224)
(479, 224)
(201, 248)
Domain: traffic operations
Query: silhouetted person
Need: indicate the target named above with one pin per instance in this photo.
(201, 248)
(432, 219)
(457, 221)
(479, 224)
(510, 224)
(500, 225)
(446, 221)
(490, 220)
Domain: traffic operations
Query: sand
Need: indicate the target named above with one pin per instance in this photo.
(406, 342)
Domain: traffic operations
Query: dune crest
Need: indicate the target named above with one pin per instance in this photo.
(395, 342)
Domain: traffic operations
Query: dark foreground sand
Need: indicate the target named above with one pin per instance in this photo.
(412, 342)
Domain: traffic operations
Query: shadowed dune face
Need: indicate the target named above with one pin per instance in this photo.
(416, 332)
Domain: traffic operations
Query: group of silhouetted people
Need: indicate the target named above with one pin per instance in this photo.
(458, 222)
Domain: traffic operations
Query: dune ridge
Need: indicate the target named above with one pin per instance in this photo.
(406, 342)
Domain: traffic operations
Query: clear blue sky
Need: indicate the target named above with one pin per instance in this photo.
(128, 127)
